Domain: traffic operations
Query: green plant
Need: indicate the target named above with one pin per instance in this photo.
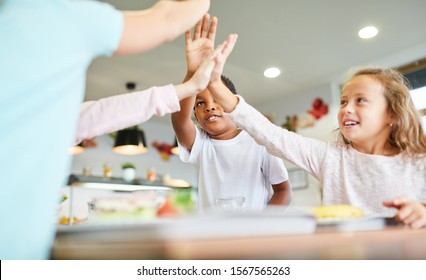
(63, 198)
(128, 165)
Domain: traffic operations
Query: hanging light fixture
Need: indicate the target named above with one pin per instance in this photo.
(130, 141)
(76, 150)
(175, 149)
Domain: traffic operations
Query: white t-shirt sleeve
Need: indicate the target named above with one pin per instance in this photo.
(193, 155)
(275, 169)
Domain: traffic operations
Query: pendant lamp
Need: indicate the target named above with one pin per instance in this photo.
(130, 141)
(175, 149)
(76, 150)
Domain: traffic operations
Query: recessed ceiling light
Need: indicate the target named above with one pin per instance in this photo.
(368, 32)
(272, 72)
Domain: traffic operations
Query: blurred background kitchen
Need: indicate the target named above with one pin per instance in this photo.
(312, 43)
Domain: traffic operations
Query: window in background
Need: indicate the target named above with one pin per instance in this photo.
(416, 75)
(419, 98)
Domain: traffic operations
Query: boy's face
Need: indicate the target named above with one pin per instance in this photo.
(363, 116)
(209, 115)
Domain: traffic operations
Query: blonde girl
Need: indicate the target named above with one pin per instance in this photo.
(380, 166)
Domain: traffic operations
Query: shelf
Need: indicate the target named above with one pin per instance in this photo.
(118, 184)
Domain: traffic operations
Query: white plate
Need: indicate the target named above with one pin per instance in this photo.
(365, 223)
(336, 221)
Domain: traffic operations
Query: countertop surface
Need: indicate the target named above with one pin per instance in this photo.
(241, 237)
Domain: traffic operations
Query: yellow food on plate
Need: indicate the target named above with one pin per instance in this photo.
(66, 220)
(337, 211)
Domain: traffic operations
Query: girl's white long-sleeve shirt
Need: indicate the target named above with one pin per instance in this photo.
(117, 112)
(347, 176)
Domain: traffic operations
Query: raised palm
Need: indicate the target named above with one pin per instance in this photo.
(201, 45)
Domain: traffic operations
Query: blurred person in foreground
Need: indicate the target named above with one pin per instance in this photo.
(46, 48)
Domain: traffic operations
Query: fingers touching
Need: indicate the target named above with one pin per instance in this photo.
(222, 53)
(229, 45)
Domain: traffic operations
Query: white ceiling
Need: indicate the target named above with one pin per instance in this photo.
(313, 42)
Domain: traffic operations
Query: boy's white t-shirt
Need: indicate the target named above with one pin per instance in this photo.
(237, 167)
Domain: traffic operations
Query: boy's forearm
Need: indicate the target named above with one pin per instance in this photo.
(182, 123)
(282, 194)
(183, 118)
(280, 198)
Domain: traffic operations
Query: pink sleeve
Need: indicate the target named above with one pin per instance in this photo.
(121, 111)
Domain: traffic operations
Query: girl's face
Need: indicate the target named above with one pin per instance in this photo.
(363, 116)
(209, 115)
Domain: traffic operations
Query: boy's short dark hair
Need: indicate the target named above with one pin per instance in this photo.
(228, 83)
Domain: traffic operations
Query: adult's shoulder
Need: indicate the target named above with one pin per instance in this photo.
(100, 23)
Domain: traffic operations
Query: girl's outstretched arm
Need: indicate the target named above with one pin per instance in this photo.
(222, 94)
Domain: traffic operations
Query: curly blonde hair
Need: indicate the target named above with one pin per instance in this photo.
(407, 133)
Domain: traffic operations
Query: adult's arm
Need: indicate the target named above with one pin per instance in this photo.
(163, 22)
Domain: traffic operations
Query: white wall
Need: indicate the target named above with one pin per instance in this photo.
(323, 130)
(295, 103)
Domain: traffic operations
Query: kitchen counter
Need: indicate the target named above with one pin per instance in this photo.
(161, 241)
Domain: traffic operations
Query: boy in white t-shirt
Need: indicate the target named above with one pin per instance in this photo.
(229, 162)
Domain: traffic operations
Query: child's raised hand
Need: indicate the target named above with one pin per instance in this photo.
(202, 75)
(222, 57)
(201, 45)
(410, 212)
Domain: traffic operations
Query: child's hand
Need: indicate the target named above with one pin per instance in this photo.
(202, 75)
(410, 212)
(201, 45)
(222, 57)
